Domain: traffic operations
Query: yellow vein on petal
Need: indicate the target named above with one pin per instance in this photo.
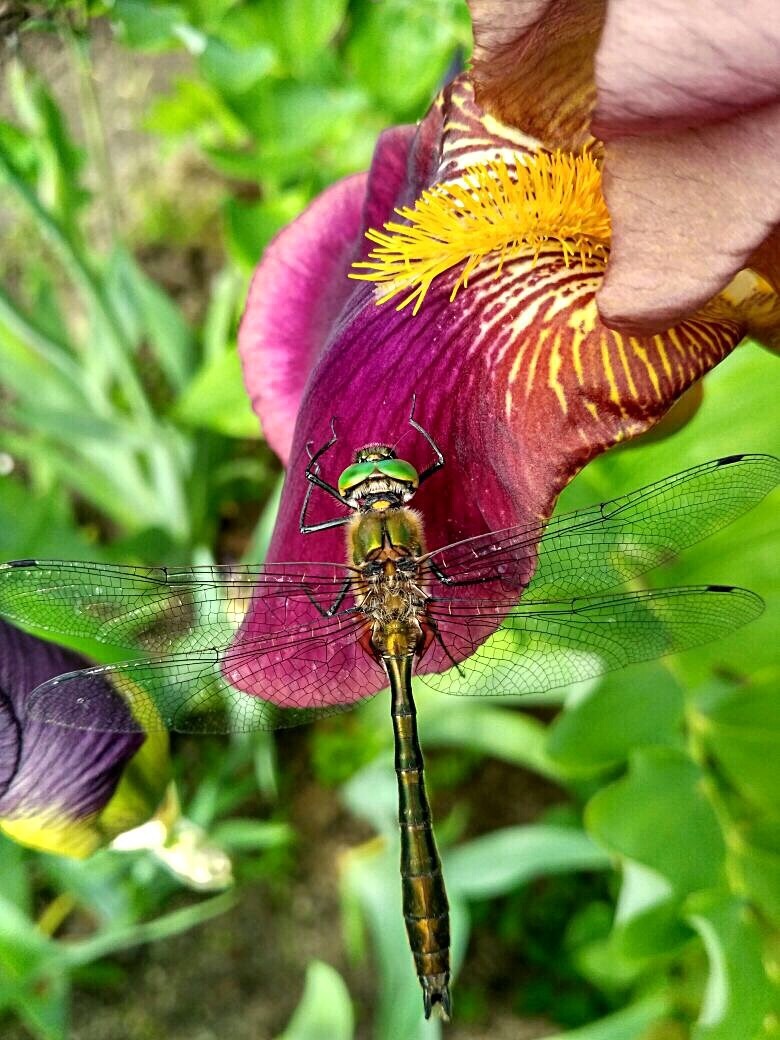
(495, 211)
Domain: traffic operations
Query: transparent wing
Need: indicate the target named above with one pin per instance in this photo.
(211, 692)
(542, 646)
(161, 609)
(596, 549)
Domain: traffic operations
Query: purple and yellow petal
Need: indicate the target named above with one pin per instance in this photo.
(501, 254)
(56, 783)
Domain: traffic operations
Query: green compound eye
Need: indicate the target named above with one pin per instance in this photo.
(354, 475)
(397, 469)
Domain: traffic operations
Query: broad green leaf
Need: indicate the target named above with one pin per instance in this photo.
(233, 70)
(300, 30)
(250, 226)
(250, 835)
(509, 735)
(739, 997)
(43, 1006)
(741, 728)
(146, 26)
(647, 917)
(325, 1011)
(754, 859)
(632, 1023)
(38, 525)
(400, 51)
(659, 816)
(500, 861)
(195, 109)
(216, 399)
(626, 711)
(24, 951)
(15, 882)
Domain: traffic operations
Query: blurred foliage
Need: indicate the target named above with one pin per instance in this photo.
(645, 904)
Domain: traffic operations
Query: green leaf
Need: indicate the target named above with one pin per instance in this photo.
(632, 1023)
(146, 26)
(500, 732)
(741, 728)
(38, 525)
(250, 226)
(739, 996)
(16, 885)
(500, 861)
(325, 1011)
(400, 51)
(754, 858)
(250, 835)
(233, 70)
(299, 30)
(112, 940)
(147, 313)
(658, 815)
(626, 711)
(216, 399)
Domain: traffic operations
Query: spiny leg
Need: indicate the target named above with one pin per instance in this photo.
(315, 480)
(437, 465)
(333, 608)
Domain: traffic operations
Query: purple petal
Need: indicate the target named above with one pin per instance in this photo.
(58, 772)
(301, 285)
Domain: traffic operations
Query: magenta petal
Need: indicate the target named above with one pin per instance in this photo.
(296, 292)
(301, 284)
(56, 771)
(688, 211)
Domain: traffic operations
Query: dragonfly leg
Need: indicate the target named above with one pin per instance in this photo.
(333, 608)
(315, 480)
(437, 465)
(445, 579)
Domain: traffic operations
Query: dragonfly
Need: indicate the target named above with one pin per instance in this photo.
(525, 609)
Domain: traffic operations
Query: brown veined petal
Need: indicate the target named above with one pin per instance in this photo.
(689, 108)
(688, 211)
(533, 65)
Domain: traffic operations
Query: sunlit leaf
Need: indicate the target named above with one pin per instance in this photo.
(658, 814)
(325, 1010)
(739, 996)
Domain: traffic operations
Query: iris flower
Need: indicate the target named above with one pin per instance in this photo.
(62, 790)
(476, 262)
(71, 791)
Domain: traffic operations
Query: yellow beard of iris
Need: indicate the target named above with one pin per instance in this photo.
(494, 210)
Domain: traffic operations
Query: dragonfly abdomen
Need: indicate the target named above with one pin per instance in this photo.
(425, 905)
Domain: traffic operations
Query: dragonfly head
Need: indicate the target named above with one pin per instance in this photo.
(378, 479)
